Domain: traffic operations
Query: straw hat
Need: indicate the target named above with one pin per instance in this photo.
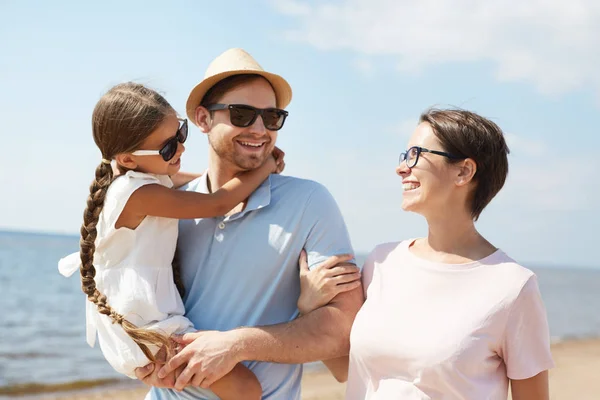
(235, 62)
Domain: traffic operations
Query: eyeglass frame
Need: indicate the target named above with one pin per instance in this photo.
(257, 112)
(179, 137)
(404, 155)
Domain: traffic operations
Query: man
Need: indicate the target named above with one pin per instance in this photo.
(240, 272)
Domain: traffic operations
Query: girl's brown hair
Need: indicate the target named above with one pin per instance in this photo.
(123, 118)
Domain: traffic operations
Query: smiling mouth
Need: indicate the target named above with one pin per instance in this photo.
(251, 145)
(410, 186)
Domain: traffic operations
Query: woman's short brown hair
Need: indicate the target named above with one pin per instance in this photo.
(470, 135)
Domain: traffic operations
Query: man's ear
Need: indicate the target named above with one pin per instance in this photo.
(203, 119)
(466, 171)
(126, 160)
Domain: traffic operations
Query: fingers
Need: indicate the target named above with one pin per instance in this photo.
(186, 338)
(197, 380)
(280, 167)
(335, 260)
(278, 154)
(185, 378)
(346, 287)
(175, 362)
(143, 372)
(303, 261)
(208, 381)
(342, 270)
(346, 278)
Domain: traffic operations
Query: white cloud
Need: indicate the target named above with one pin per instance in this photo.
(404, 128)
(526, 146)
(291, 7)
(552, 44)
(543, 179)
(365, 67)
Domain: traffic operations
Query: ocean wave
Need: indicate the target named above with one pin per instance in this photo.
(28, 355)
(25, 389)
(569, 338)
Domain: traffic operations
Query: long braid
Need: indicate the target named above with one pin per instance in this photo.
(87, 246)
(176, 265)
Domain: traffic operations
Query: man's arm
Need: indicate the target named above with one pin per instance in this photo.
(322, 334)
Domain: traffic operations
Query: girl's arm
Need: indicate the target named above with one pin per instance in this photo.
(159, 201)
(181, 178)
(240, 383)
(534, 388)
(338, 367)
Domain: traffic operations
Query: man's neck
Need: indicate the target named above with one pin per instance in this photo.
(219, 172)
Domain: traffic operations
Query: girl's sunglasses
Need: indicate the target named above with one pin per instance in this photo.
(242, 115)
(167, 152)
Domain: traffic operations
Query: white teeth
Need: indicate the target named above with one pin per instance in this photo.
(410, 186)
(252, 144)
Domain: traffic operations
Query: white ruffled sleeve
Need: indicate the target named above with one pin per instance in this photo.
(67, 266)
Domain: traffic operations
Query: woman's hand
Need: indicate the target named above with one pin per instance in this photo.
(321, 284)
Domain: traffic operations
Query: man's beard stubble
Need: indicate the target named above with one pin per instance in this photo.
(243, 163)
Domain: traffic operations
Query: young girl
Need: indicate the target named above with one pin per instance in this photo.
(129, 232)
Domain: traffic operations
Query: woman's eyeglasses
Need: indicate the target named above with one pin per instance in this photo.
(170, 148)
(242, 115)
(411, 156)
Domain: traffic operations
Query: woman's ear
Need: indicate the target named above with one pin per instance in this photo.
(466, 172)
(203, 119)
(126, 161)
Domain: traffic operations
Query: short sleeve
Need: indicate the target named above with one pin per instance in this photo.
(368, 271)
(121, 190)
(328, 235)
(526, 345)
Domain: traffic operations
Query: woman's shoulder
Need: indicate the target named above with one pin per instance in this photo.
(507, 266)
(383, 251)
(509, 276)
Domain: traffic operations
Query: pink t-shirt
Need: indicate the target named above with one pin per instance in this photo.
(445, 331)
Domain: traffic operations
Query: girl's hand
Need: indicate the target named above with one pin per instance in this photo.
(321, 284)
(278, 155)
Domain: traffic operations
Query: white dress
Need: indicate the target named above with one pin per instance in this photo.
(133, 270)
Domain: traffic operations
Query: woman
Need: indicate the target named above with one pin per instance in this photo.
(448, 316)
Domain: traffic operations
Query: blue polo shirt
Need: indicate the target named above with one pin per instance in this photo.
(242, 270)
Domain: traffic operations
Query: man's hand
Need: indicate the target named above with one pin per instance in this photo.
(149, 375)
(206, 358)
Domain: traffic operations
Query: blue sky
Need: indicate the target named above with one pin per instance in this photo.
(361, 72)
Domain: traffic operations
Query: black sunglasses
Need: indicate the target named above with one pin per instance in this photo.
(411, 156)
(243, 115)
(167, 152)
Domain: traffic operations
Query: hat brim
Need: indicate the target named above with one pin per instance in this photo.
(283, 90)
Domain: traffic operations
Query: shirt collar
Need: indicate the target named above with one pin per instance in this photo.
(260, 198)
